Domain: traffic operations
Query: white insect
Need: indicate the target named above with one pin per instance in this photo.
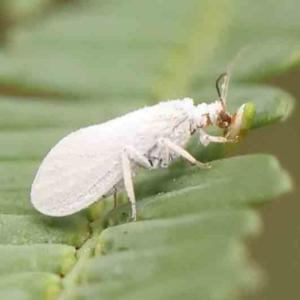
(98, 160)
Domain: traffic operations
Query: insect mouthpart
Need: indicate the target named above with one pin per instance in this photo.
(235, 126)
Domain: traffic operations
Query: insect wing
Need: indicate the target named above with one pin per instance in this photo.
(86, 164)
(80, 169)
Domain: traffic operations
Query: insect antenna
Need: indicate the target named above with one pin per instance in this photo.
(222, 88)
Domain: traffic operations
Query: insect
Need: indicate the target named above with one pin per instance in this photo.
(98, 160)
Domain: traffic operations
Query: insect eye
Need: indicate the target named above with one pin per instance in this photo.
(224, 120)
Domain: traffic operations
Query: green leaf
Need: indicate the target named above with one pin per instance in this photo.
(94, 60)
(23, 229)
(173, 232)
(223, 186)
(135, 271)
(54, 258)
(35, 285)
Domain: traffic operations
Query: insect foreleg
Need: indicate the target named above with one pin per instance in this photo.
(130, 154)
(183, 153)
(206, 139)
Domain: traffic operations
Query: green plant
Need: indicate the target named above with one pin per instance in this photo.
(92, 61)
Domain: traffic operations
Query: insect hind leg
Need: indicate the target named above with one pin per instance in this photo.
(130, 154)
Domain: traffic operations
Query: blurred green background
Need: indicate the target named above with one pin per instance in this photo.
(277, 248)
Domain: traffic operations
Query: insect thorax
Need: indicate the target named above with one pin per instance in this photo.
(207, 114)
(159, 155)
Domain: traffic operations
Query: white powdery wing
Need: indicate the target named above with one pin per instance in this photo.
(79, 170)
(86, 164)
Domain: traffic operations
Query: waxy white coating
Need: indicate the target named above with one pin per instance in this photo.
(97, 160)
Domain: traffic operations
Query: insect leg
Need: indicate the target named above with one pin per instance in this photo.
(183, 153)
(129, 154)
(127, 175)
(205, 139)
